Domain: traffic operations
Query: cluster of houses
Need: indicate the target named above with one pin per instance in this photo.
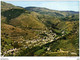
(36, 42)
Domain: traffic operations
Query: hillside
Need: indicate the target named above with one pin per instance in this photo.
(37, 31)
(18, 24)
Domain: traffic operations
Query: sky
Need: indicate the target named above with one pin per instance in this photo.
(54, 5)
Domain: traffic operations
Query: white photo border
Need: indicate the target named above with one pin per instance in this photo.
(40, 58)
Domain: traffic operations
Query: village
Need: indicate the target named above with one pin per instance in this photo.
(37, 42)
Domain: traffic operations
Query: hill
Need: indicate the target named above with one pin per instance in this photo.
(46, 11)
(7, 6)
(18, 24)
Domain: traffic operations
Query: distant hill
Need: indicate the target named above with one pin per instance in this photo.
(50, 12)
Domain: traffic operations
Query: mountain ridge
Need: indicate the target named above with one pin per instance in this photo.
(51, 9)
(50, 12)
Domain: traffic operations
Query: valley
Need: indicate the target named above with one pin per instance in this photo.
(36, 31)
